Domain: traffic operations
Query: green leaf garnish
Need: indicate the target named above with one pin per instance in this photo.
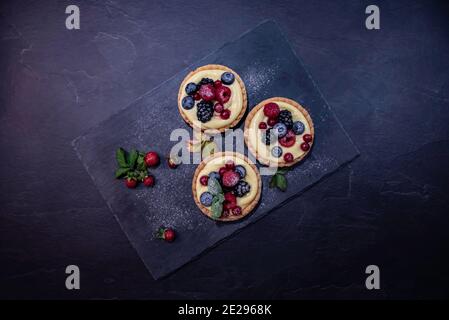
(214, 186)
(121, 172)
(132, 159)
(120, 156)
(278, 180)
(216, 208)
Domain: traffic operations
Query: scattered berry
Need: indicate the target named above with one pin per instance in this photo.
(218, 108)
(262, 125)
(228, 78)
(172, 163)
(307, 138)
(167, 234)
(148, 181)
(272, 121)
(285, 117)
(223, 94)
(151, 159)
(230, 179)
(207, 92)
(241, 171)
(279, 130)
(205, 111)
(298, 127)
(197, 96)
(206, 199)
(217, 84)
(206, 81)
(230, 165)
(188, 102)
(215, 175)
(191, 88)
(222, 171)
(242, 188)
(288, 157)
(225, 114)
(237, 211)
(203, 180)
(305, 146)
(131, 183)
(276, 152)
(271, 110)
(288, 140)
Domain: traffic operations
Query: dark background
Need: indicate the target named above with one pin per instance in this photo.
(389, 207)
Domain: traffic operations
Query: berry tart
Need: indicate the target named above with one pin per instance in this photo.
(226, 186)
(279, 132)
(212, 97)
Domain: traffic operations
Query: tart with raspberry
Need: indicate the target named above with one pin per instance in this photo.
(226, 186)
(212, 97)
(279, 132)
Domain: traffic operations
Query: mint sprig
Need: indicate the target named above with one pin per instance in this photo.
(215, 189)
(278, 180)
(131, 165)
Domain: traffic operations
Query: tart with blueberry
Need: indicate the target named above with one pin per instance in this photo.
(226, 186)
(279, 132)
(212, 97)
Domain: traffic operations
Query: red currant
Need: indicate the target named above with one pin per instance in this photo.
(272, 121)
(204, 180)
(262, 125)
(288, 157)
(225, 114)
(307, 138)
(305, 146)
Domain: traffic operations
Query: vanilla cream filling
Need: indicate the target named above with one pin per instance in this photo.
(215, 165)
(234, 104)
(256, 134)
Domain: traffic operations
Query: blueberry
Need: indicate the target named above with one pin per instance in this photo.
(215, 175)
(227, 78)
(188, 102)
(241, 171)
(206, 199)
(276, 151)
(279, 130)
(191, 88)
(298, 127)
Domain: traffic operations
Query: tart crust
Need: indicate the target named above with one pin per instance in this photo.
(260, 157)
(248, 208)
(214, 67)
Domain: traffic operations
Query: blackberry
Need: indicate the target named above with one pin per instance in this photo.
(206, 81)
(205, 111)
(268, 137)
(285, 117)
(242, 188)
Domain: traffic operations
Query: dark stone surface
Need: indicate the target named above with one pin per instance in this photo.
(388, 207)
(265, 61)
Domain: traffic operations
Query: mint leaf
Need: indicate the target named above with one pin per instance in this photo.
(281, 182)
(121, 172)
(282, 170)
(213, 186)
(141, 165)
(120, 156)
(132, 159)
(216, 209)
(219, 198)
(273, 181)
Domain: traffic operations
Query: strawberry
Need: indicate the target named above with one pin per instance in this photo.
(271, 110)
(207, 92)
(131, 183)
(167, 234)
(148, 181)
(230, 179)
(223, 94)
(151, 159)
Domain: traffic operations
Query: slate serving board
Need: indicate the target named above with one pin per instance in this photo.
(267, 64)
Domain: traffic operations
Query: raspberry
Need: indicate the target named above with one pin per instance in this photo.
(222, 94)
(237, 211)
(288, 140)
(207, 92)
(218, 108)
(230, 179)
(271, 110)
